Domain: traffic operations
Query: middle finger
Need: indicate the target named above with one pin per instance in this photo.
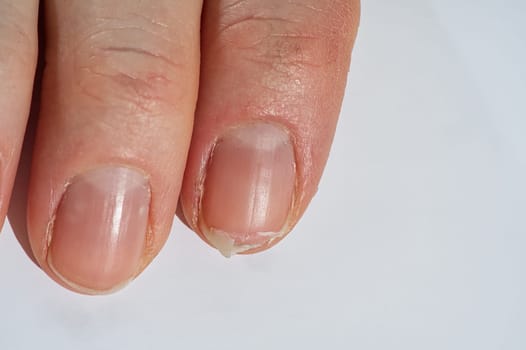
(119, 95)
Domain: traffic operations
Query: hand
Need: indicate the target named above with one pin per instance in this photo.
(227, 108)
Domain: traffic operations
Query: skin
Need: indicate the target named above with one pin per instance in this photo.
(153, 86)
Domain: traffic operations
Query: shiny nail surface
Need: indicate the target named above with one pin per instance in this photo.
(249, 188)
(98, 234)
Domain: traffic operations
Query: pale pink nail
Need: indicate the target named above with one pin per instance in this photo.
(99, 231)
(248, 189)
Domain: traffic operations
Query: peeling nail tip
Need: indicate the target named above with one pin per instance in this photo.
(229, 246)
(225, 244)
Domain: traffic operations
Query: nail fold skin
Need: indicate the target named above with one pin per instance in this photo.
(248, 189)
(98, 234)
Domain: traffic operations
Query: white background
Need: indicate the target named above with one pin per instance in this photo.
(416, 239)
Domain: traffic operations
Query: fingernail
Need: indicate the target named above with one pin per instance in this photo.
(248, 189)
(99, 230)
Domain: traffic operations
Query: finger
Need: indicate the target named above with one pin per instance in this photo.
(18, 53)
(273, 75)
(119, 94)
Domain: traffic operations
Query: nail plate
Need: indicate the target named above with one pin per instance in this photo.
(249, 188)
(98, 234)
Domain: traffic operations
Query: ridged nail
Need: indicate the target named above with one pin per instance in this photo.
(98, 234)
(249, 188)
